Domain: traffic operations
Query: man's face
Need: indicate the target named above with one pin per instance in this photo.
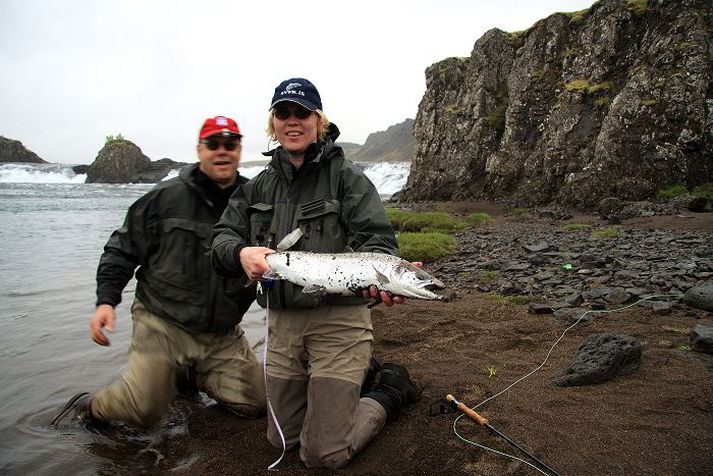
(295, 127)
(219, 157)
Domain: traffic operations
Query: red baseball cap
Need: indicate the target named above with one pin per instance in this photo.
(219, 125)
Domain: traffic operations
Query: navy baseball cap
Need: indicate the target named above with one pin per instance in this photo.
(297, 90)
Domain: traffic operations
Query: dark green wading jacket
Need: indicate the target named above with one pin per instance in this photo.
(167, 235)
(329, 198)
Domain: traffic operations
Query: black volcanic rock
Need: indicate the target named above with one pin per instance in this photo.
(13, 151)
(121, 161)
(613, 101)
(395, 144)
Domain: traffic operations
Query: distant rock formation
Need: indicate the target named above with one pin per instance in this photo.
(349, 148)
(395, 144)
(121, 161)
(12, 150)
(612, 101)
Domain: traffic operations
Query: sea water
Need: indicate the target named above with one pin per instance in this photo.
(53, 228)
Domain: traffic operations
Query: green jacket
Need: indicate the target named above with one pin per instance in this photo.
(329, 198)
(167, 235)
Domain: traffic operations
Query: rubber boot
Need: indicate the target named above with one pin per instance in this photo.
(393, 389)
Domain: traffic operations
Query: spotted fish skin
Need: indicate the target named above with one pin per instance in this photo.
(347, 274)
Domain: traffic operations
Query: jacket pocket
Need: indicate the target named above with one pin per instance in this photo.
(322, 230)
(261, 232)
(182, 258)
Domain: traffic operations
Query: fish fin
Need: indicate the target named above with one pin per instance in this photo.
(290, 239)
(313, 289)
(271, 274)
(381, 277)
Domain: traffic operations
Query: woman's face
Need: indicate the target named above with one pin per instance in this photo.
(295, 127)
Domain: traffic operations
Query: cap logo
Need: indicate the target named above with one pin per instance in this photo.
(292, 86)
(221, 121)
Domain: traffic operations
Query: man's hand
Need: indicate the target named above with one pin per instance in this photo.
(387, 298)
(252, 259)
(104, 316)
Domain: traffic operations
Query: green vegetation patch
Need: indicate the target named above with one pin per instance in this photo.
(426, 247)
(489, 276)
(609, 232)
(583, 85)
(704, 190)
(408, 221)
(113, 138)
(672, 191)
(637, 7)
(602, 102)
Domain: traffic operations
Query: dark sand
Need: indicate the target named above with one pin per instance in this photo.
(657, 420)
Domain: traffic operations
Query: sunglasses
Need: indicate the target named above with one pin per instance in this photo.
(300, 112)
(214, 144)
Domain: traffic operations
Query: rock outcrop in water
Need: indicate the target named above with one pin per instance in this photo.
(121, 161)
(13, 151)
(613, 101)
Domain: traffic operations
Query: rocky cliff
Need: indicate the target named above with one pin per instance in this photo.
(13, 151)
(121, 161)
(613, 101)
(395, 144)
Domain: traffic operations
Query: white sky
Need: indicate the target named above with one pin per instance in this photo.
(73, 72)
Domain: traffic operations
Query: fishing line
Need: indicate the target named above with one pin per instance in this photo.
(264, 373)
(492, 450)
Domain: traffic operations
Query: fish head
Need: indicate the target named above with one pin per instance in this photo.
(411, 281)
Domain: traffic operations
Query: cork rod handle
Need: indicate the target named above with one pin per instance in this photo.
(472, 414)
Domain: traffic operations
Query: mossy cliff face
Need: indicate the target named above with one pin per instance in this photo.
(614, 101)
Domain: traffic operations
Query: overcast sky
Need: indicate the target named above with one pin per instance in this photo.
(73, 72)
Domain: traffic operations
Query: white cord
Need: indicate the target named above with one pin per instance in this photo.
(264, 370)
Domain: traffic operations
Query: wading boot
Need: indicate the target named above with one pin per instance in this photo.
(78, 407)
(370, 380)
(393, 389)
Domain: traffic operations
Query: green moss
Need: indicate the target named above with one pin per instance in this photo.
(606, 233)
(595, 88)
(672, 191)
(539, 73)
(650, 102)
(519, 211)
(704, 190)
(587, 87)
(602, 102)
(637, 7)
(478, 218)
(576, 226)
(451, 109)
(581, 85)
(578, 16)
(488, 277)
(427, 247)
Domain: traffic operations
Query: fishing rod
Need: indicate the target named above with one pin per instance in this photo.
(476, 417)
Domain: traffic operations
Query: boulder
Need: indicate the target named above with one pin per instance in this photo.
(700, 296)
(600, 358)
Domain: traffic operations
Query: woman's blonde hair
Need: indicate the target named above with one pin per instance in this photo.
(322, 125)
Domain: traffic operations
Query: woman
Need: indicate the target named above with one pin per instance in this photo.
(319, 347)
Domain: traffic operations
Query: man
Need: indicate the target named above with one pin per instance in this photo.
(184, 313)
